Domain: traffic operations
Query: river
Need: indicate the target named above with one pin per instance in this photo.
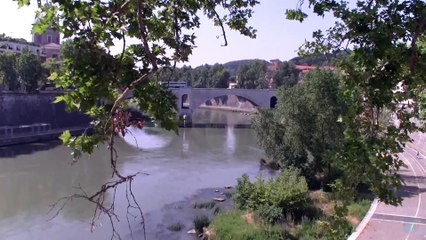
(34, 176)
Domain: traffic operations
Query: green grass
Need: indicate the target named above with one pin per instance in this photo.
(232, 226)
(359, 208)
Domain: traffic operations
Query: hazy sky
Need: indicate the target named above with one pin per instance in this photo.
(276, 36)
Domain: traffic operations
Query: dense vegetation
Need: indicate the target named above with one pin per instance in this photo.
(249, 74)
(24, 71)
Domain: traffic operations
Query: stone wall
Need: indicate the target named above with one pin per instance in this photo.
(23, 109)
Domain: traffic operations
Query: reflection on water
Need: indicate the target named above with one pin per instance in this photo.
(230, 139)
(230, 118)
(15, 150)
(178, 165)
(148, 138)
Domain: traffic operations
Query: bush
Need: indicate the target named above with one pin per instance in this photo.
(288, 192)
(175, 227)
(269, 214)
(201, 222)
(207, 205)
(243, 191)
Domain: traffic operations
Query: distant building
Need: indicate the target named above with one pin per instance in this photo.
(50, 42)
(17, 45)
(49, 36)
(46, 45)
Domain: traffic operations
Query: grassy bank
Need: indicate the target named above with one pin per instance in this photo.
(244, 225)
(284, 208)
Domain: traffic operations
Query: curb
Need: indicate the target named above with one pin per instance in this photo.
(365, 220)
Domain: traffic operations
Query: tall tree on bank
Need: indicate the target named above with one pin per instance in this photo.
(8, 74)
(385, 42)
(29, 70)
(165, 30)
(304, 129)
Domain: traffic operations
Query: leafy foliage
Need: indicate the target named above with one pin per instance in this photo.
(383, 70)
(304, 130)
(288, 193)
(286, 76)
(29, 70)
(101, 84)
(252, 76)
(8, 73)
(22, 71)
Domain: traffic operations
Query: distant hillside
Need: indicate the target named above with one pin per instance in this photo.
(318, 60)
(233, 66)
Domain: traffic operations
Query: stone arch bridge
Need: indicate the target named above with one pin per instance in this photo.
(262, 98)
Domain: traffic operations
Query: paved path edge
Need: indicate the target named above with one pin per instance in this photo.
(365, 220)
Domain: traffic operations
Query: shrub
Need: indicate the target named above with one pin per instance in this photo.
(269, 214)
(288, 192)
(208, 205)
(243, 191)
(175, 227)
(200, 222)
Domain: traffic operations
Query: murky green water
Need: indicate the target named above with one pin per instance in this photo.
(34, 176)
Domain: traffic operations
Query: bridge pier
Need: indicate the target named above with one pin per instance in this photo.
(185, 120)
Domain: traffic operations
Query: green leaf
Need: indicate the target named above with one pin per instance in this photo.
(22, 3)
(65, 137)
(59, 99)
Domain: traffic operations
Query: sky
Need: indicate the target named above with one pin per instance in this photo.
(277, 38)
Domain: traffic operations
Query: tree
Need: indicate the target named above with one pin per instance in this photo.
(304, 130)
(286, 76)
(384, 44)
(252, 75)
(29, 70)
(8, 74)
(165, 30)
(220, 76)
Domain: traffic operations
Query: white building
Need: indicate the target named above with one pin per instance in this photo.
(17, 47)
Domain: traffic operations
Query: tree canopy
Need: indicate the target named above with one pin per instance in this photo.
(383, 70)
(165, 31)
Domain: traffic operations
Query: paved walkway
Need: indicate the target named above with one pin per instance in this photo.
(409, 220)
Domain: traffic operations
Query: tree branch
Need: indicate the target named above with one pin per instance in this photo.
(142, 32)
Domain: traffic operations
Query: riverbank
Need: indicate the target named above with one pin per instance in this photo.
(40, 136)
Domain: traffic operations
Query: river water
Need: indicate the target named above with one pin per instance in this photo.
(34, 176)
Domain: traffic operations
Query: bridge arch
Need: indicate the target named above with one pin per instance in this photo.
(200, 101)
(195, 97)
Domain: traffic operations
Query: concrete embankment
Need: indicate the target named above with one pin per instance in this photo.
(32, 137)
(26, 118)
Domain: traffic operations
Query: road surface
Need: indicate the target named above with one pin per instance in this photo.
(409, 220)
